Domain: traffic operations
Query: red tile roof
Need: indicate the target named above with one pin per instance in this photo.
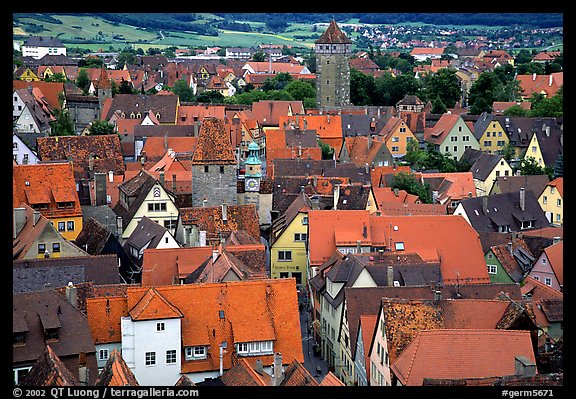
(50, 90)
(153, 306)
(116, 372)
(555, 254)
(104, 315)
(47, 183)
(441, 129)
(333, 35)
(270, 305)
(462, 354)
(213, 146)
(548, 84)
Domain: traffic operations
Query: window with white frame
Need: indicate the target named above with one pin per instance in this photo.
(171, 356)
(103, 354)
(548, 281)
(255, 348)
(160, 326)
(195, 352)
(150, 358)
(492, 269)
(558, 217)
(285, 256)
(300, 237)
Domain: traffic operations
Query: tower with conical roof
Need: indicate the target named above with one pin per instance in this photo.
(333, 50)
(253, 165)
(103, 87)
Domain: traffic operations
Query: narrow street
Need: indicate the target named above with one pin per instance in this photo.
(314, 364)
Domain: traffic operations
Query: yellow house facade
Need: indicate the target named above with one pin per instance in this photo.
(552, 202)
(69, 227)
(288, 252)
(533, 151)
(483, 187)
(397, 137)
(29, 76)
(493, 138)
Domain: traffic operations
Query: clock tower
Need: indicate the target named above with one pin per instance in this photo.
(253, 172)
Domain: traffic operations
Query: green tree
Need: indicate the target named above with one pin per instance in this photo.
(183, 91)
(508, 151)
(101, 128)
(259, 57)
(56, 77)
(327, 151)
(529, 166)
(443, 83)
(548, 107)
(515, 110)
(63, 125)
(125, 87)
(300, 90)
(415, 156)
(82, 80)
(438, 106)
(408, 182)
(210, 96)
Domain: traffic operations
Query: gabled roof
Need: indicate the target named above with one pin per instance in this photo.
(558, 183)
(43, 41)
(137, 188)
(549, 84)
(116, 372)
(166, 106)
(515, 257)
(268, 112)
(210, 219)
(555, 255)
(93, 236)
(473, 354)
(333, 35)
(153, 306)
(49, 90)
(147, 233)
(49, 370)
(213, 146)
(438, 133)
(104, 314)
(46, 183)
(248, 308)
(485, 164)
(503, 210)
(295, 374)
(243, 374)
(534, 183)
(551, 145)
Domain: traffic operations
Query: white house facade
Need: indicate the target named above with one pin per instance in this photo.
(21, 153)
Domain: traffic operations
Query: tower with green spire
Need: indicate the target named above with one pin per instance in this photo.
(253, 166)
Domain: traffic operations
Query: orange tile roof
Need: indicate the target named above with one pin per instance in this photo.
(268, 112)
(384, 195)
(367, 324)
(539, 291)
(441, 129)
(50, 90)
(104, 318)
(378, 172)
(559, 184)
(427, 50)
(452, 354)
(213, 146)
(189, 114)
(153, 306)
(46, 183)
(555, 254)
(163, 266)
(326, 126)
(116, 372)
(332, 380)
(125, 126)
(265, 302)
(549, 84)
(462, 184)
(408, 209)
(243, 374)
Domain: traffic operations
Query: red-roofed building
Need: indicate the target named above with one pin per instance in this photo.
(549, 267)
(451, 136)
(425, 53)
(180, 329)
(547, 85)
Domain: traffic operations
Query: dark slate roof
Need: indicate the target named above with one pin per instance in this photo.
(137, 188)
(356, 174)
(504, 210)
(74, 334)
(38, 274)
(134, 103)
(301, 138)
(301, 167)
(482, 123)
(553, 309)
(286, 189)
(49, 370)
(536, 245)
(484, 165)
(93, 236)
(534, 183)
(146, 231)
(43, 41)
(551, 145)
(333, 35)
(362, 124)
(520, 129)
(471, 155)
(354, 197)
(161, 130)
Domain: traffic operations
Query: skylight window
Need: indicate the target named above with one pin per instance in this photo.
(399, 246)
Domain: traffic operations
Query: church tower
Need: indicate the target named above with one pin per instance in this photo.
(103, 89)
(332, 67)
(253, 172)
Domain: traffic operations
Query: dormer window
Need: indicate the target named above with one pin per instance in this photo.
(19, 338)
(51, 334)
(195, 352)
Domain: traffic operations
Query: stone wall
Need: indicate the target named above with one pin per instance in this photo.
(216, 187)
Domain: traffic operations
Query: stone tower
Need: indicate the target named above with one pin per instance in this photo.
(103, 89)
(332, 67)
(213, 166)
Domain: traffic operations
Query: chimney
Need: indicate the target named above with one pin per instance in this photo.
(36, 217)
(434, 196)
(111, 176)
(315, 181)
(119, 225)
(524, 367)
(485, 204)
(165, 141)
(358, 246)
(522, 198)
(259, 367)
(556, 240)
(71, 294)
(336, 195)
(224, 213)
(82, 369)
(390, 276)
(366, 168)
(278, 373)
(437, 296)
(161, 178)
(547, 131)
(509, 247)
(215, 254)
(19, 221)
(369, 141)
(100, 188)
(534, 76)
(396, 192)
(364, 231)
(550, 80)
(202, 238)
(90, 162)
(174, 182)
(381, 254)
